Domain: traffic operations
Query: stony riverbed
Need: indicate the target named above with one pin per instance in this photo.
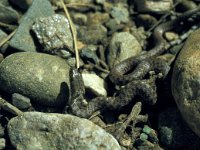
(38, 43)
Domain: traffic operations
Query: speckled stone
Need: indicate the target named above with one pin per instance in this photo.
(41, 77)
(53, 33)
(186, 81)
(45, 131)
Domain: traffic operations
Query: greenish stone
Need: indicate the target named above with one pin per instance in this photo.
(123, 45)
(41, 77)
(146, 129)
(22, 40)
(143, 136)
(8, 15)
(92, 34)
(120, 12)
(45, 131)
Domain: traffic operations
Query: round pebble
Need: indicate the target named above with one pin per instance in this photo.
(41, 77)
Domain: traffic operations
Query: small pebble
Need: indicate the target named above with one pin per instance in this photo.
(94, 83)
(171, 36)
(21, 101)
(120, 13)
(122, 46)
(2, 143)
(97, 18)
(93, 34)
(89, 53)
(152, 6)
(143, 136)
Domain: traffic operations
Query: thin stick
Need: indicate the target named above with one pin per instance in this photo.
(8, 37)
(131, 117)
(73, 33)
(9, 107)
(10, 27)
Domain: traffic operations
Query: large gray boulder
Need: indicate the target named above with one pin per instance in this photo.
(186, 82)
(45, 131)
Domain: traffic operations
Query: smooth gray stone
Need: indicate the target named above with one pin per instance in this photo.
(21, 101)
(22, 40)
(48, 131)
(123, 45)
(42, 77)
(186, 81)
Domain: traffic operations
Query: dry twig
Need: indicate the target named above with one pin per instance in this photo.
(8, 37)
(9, 107)
(73, 33)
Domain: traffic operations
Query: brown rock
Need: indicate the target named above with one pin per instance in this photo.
(186, 82)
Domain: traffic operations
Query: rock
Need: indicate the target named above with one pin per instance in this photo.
(174, 132)
(41, 77)
(94, 83)
(122, 46)
(21, 101)
(89, 53)
(154, 6)
(35, 130)
(22, 40)
(120, 13)
(97, 18)
(53, 33)
(3, 35)
(93, 34)
(186, 81)
(1, 131)
(8, 15)
(113, 25)
(5, 2)
(23, 4)
(2, 143)
(171, 36)
(79, 18)
(140, 35)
